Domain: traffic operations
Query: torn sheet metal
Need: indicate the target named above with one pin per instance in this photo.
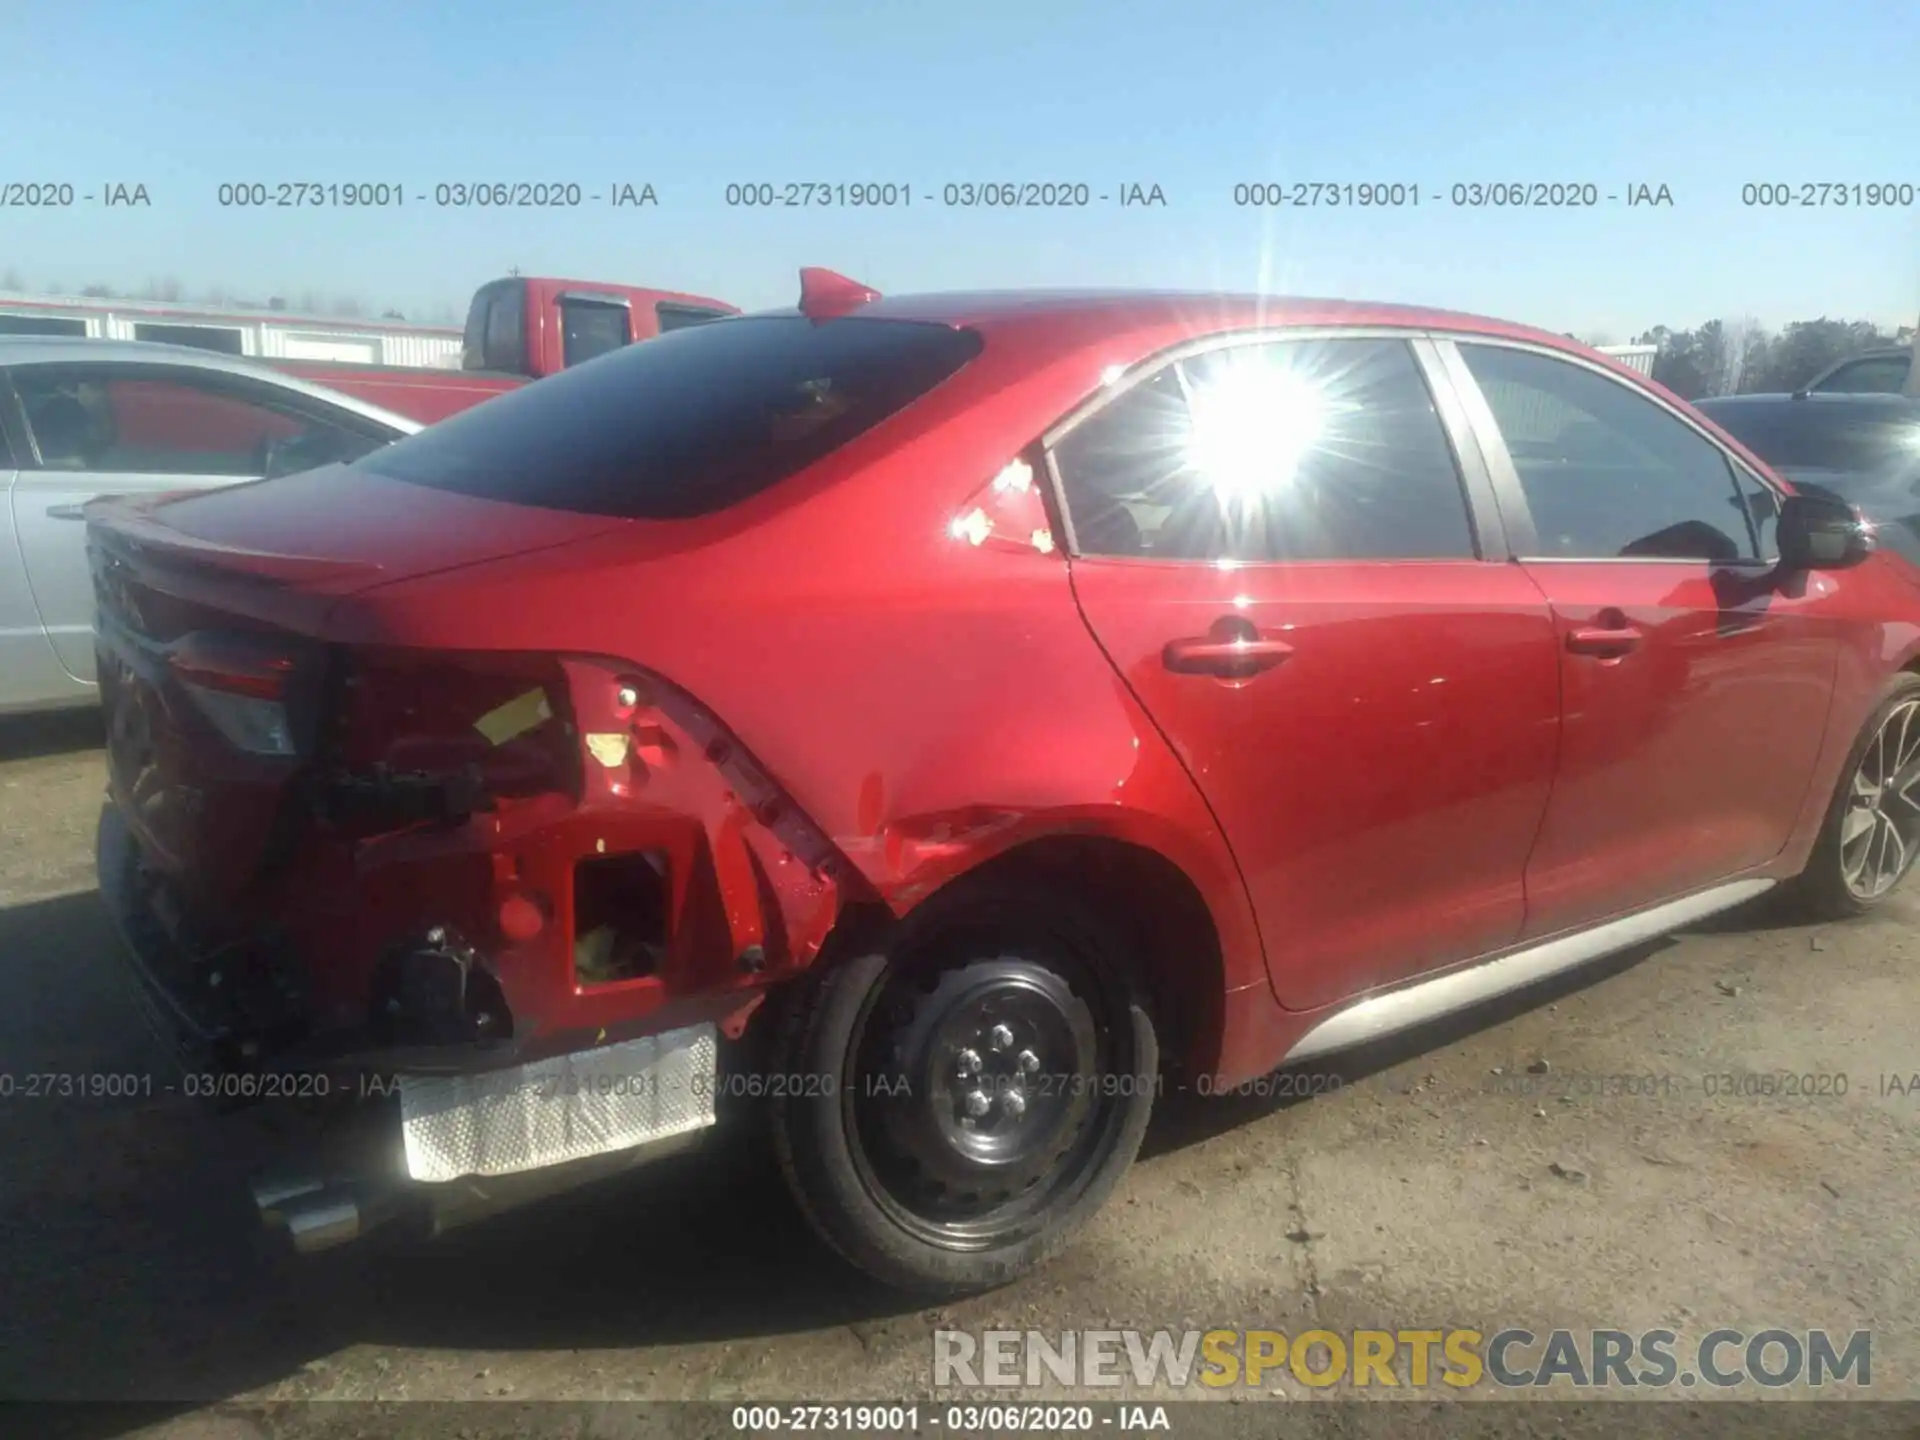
(593, 1102)
(610, 748)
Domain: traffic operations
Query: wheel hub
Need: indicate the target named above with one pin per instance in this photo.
(990, 1064)
(995, 1080)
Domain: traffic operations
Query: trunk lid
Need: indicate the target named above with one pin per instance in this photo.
(337, 529)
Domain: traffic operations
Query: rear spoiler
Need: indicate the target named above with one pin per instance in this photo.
(127, 523)
(826, 294)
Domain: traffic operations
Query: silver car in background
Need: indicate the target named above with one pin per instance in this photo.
(84, 418)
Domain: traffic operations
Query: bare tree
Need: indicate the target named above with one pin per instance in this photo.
(11, 280)
(98, 292)
(167, 288)
(1740, 341)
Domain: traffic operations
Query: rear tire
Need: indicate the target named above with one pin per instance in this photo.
(1871, 833)
(954, 1106)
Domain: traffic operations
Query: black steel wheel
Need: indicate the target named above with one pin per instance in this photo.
(977, 1089)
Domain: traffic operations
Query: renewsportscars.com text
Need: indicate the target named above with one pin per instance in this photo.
(1457, 1357)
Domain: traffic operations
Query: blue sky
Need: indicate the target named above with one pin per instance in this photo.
(1195, 97)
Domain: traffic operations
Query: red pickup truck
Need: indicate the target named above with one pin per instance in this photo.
(518, 330)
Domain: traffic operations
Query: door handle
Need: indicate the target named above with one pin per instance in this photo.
(65, 512)
(1607, 644)
(1232, 649)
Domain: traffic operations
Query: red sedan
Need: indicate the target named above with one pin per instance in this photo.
(947, 723)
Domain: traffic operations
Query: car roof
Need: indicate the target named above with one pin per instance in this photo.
(1204, 311)
(18, 350)
(1813, 402)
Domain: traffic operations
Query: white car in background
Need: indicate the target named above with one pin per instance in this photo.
(85, 418)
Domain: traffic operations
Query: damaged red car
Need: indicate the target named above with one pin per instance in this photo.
(946, 725)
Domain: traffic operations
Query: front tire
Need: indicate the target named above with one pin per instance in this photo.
(1871, 834)
(954, 1105)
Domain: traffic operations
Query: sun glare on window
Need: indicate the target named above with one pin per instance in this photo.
(1250, 424)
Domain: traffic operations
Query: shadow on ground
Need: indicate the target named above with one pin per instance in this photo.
(25, 737)
(133, 1267)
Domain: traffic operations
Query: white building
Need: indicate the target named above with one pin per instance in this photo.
(267, 334)
(1634, 357)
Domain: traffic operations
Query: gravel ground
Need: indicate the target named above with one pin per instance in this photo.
(1422, 1192)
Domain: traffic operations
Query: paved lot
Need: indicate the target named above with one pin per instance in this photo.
(1417, 1195)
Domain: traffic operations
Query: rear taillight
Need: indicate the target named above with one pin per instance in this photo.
(241, 689)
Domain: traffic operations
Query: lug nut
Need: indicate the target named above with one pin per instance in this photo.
(977, 1103)
(1001, 1037)
(968, 1061)
(1028, 1062)
(1015, 1103)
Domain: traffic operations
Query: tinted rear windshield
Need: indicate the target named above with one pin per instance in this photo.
(1809, 435)
(685, 424)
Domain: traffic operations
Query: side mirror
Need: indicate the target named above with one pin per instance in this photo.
(1821, 532)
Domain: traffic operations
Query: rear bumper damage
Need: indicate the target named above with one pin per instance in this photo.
(425, 1140)
(487, 913)
(480, 1007)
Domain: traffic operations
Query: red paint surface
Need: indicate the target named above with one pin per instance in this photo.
(832, 669)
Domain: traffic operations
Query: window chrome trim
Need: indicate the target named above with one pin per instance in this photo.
(18, 449)
(1056, 498)
(1507, 478)
(1745, 562)
(1516, 515)
(1469, 460)
(1490, 537)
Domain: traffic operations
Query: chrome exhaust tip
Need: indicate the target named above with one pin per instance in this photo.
(321, 1219)
(272, 1193)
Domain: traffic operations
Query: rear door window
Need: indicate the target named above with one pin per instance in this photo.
(678, 317)
(1874, 375)
(592, 328)
(686, 424)
(217, 338)
(42, 325)
(1292, 451)
(148, 419)
(496, 328)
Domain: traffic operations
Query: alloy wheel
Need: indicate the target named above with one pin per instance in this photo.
(1881, 826)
